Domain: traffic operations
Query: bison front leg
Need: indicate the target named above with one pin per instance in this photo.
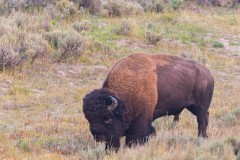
(139, 133)
(113, 145)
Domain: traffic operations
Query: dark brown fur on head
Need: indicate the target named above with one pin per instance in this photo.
(104, 125)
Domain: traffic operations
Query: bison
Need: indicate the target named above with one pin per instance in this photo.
(141, 88)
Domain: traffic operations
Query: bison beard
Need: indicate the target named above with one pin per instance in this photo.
(141, 88)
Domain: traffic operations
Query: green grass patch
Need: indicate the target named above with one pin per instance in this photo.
(186, 33)
(236, 111)
(19, 91)
(23, 145)
(218, 45)
(234, 43)
(167, 17)
(190, 28)
(103, 34)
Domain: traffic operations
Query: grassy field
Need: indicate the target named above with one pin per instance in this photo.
(41, 103)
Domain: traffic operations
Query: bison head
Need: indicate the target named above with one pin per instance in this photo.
(105, 114)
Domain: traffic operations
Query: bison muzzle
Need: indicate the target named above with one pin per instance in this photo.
(141, 88)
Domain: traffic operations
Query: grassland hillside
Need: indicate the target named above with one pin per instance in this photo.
(54, 52)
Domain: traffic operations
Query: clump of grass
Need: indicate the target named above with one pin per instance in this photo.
(46, 26)
(23, 145)
(228, 118)
(36, 47)
(218, 45)
(103, 34)
(152, 34)
(121, 8)
(10, 6)
(124, 29)
(231, 116)
(217, 146)
(72, 46)
(152, 37)
(235, 143)
(176, 4)
(94, 6)
(168, 17)
(66, 146)
(66, 8)
(54, 37)
(21, 20)
(234, 43)
(99, 47)
(96, 153)
(2, 30)
(68, 45)
(8, 57)
(153, 5)
(51, 11)
(19, 91)
(84, 25)
(236, 111)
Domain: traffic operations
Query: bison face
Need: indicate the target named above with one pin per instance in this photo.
(107, 129)
(104, 112)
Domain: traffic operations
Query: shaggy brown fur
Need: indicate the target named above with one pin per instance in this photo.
(146, 88)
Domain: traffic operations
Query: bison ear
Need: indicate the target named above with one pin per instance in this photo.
(113, 105)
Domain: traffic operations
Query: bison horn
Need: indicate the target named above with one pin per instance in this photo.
(113, 105)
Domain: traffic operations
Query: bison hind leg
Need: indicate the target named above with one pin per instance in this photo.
(202, 118)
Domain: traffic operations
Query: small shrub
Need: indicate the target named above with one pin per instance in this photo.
(218, 45)
(52, 11)
(36, 47)
(21, 20)
(172, 141)
(13, 4)
(217, 146)
(167, 17)
(23, 145)
(66, 8)
(152, 37)
(235, 143)
(84, 25)
(1, 8)
(2, 30)
(23, 5)
(121, 8)
(153, 5)
(176, 4)
(54, 38)
(71, 46)
(68, 45)
(234, 43)
(228, 118)
(8, 57)
(64, 146)
(236, 111)
(124, 29)
(46, 26)
(94, 6)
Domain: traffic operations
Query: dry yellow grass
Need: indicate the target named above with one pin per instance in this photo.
(41, 104)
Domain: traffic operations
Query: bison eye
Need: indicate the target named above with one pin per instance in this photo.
(108, 121)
